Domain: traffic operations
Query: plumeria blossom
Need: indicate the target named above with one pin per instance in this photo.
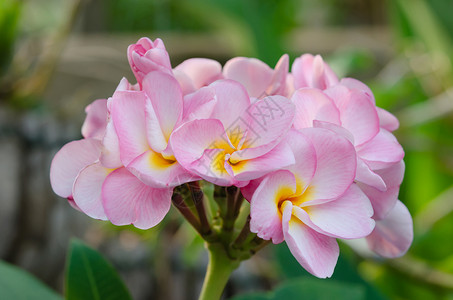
(314, 201)
(146, 56)
(312, 153)
(237, 141)
(90, 174)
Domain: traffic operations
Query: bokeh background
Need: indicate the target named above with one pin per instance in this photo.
(57, 56)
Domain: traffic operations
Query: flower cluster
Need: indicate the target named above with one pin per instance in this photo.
(313, 155)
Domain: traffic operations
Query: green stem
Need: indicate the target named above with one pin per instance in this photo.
(219, 270)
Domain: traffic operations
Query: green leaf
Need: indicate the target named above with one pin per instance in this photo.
(17, 284)
(310, 289)
(89, 276)
(345, 271)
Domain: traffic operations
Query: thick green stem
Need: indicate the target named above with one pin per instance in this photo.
(219, 270)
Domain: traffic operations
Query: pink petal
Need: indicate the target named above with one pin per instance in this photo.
(382, 151)
(165, 95)
(335, 128)
(336, 164)
(347, 217)
(232, 102)
(312, 104)
(265, 215)
(352, 83)
(316, 252)
(270, 118)
(155, 171)
(278, 82)
(311, 71)
(368, 177)
(68, 162)
(184, 81)
(393, 235)
(96, 120)
(201, 71)
(279, 157)
(127, 200)
(128, 114)
(305, 155)
(384, 201)
(387, 120)
(357, 113)
(252, 73)
(87, 190)
(110, 154)
(200, 104)
(248, 190)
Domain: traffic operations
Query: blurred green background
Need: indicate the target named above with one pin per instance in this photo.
(58, 56)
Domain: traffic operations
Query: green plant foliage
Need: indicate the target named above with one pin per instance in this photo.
(310, 289)
(17, 284)
(345, 271)
(90, 277)
(9, 16)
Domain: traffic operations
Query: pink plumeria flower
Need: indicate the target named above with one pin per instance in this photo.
(146, 56)
(144, 121)
(195, 73)
(258, 78)
(311, 71)
(90, 174)
(231, 140)
(314, 201)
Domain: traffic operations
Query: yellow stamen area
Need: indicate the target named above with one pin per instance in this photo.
(297, 198)
(157, 161)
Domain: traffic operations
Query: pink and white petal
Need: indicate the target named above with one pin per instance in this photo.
(151, 210)
(96, 119)
(127, 200)
(305, 155)
(184, 81)
(266, 219)
(199, 105)
(393, 235)
(124, 85)
(156, 138)
(281, 156)
(166, 97)
(348, 217)
(232, 102)
(336, 164)
(384, 201)
(358, 115)
(382, 151)
(153, 170)
(252, 73)
(110, 153)
(312, 104)
(190, 141)
(368, 177)
(69, 161)
(352, 83)
(201, 71)
(128, 114)
(335, 128)
(316, 252)
(88, 188)
(278, 82)
(289, 89)
(387, 120)
(270, 118)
